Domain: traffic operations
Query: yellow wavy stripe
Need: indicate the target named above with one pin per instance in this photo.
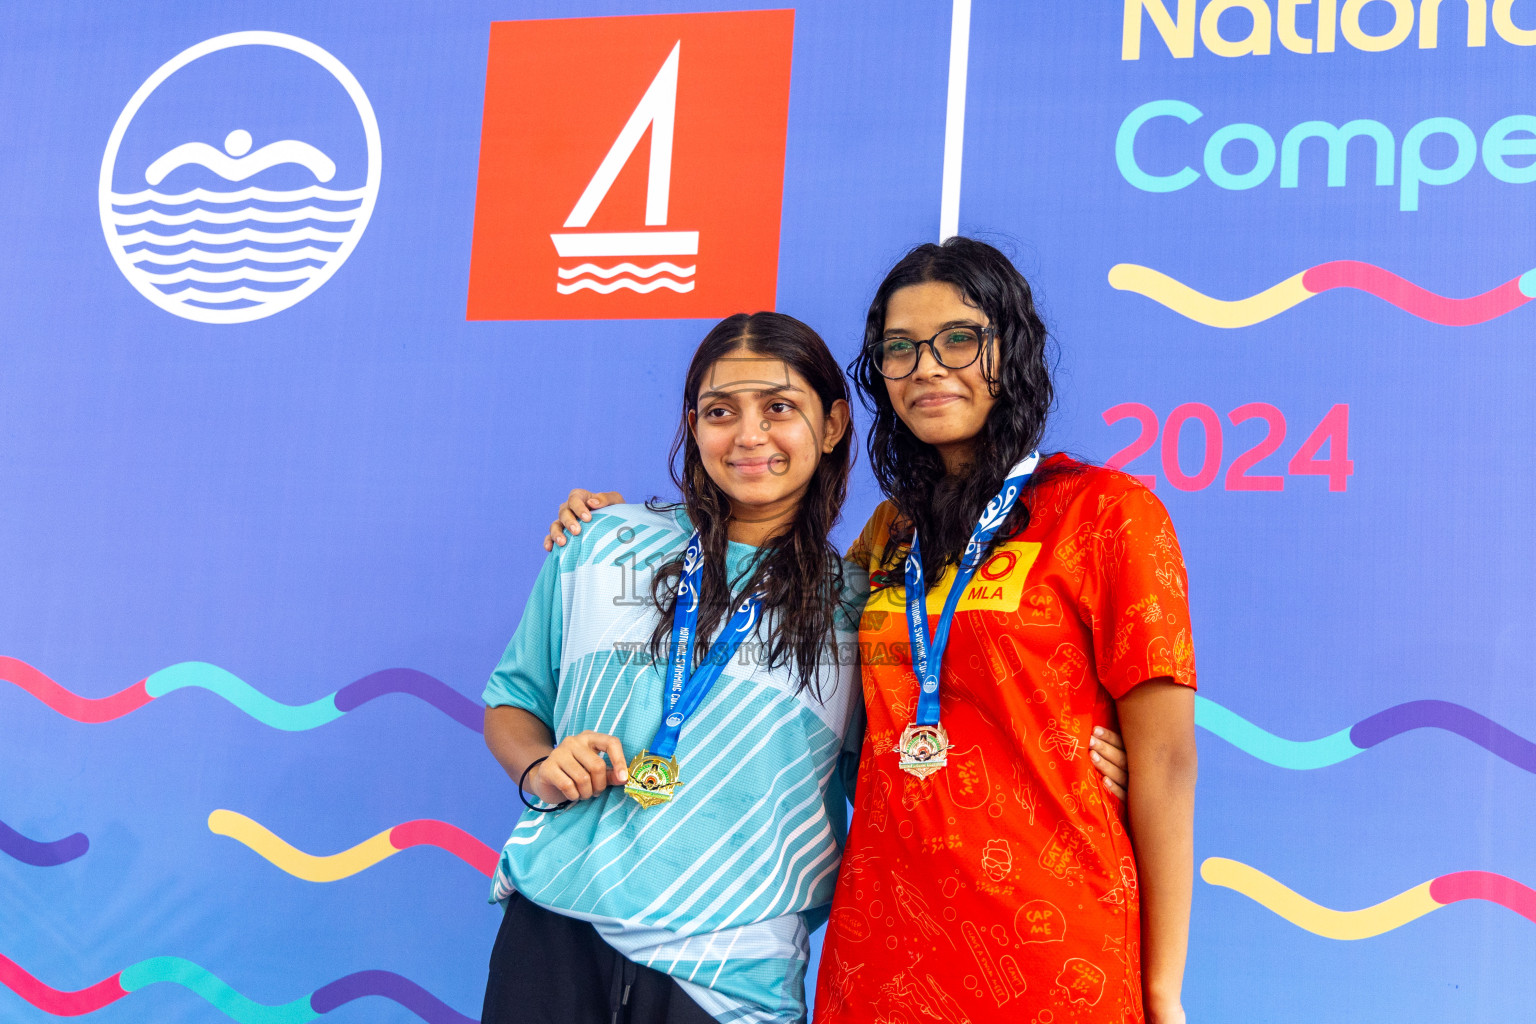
(1184, 300)
(296, 862)
(1319, 920)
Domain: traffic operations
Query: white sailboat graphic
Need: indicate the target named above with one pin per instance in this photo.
(657, 111)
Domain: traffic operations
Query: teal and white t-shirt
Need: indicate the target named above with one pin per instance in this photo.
(718, 887)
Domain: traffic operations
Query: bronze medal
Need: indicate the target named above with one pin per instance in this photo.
(652, 779)
(924, 749)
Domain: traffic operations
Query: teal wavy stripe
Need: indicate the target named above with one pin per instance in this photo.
(1266, 746)
(190, 976)
(201, 675)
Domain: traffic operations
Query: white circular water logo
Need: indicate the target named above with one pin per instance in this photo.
(247, 181)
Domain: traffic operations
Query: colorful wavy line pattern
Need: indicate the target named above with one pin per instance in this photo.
(42, 854)
(421, 832)
(1360, 737)
(1375, 920)
(1365, 277)
(203, 676)
(225, 999)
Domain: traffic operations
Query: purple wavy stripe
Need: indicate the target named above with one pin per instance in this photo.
(468, 713)
(391, 986)
(1442, 714)
(42, 855)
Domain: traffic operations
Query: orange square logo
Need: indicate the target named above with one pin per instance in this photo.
(631, 167)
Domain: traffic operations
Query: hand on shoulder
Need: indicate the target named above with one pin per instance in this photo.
(575, 510)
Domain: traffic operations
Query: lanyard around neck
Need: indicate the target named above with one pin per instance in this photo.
(687, 689)
(927, 659)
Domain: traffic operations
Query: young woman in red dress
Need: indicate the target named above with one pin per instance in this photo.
(1005, 883)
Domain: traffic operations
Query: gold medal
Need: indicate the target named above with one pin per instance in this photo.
(652, 779)
(924, 749)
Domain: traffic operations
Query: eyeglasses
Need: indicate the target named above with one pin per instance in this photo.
(953, 348)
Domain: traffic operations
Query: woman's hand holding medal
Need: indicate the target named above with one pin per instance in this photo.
(576, 770)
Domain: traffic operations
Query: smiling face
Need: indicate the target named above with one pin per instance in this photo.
(761, 431)
(942, 407)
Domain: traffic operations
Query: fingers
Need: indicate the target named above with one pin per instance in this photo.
(576, 770)
(618, 773)
(570, 517)
(566, 761)
(578, 504)
(1108, 744)
(577, 509)
(566, 521)
(587, 753)
(552, 785)
(581, 503)
(1110, 759)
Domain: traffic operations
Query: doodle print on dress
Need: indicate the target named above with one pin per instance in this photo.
(1068, 668)
(914, 910)
(1084, 981)
(969, 784)
(900, 994)
(903, 999)
(997, 859)
(1062, 856)
(1014, 974)
(991, 975)
(842, 980)
(1024, 794)
(880, 802)
(1040, 921)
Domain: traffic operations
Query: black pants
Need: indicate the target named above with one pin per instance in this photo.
(550, 969)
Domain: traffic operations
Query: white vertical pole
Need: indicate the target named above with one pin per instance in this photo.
(954, 118)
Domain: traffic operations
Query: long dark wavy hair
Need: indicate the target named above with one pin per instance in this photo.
(798, 569)
(942, 508)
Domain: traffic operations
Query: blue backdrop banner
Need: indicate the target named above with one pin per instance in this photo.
(315, 311)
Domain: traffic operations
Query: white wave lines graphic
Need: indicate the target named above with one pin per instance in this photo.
(149, 195)
(591, 277)
(625, 268)
(216, 300)
(198, 213)
(251, 255)
(144, 257)
(624, 282)
(240, 235)
(227, 276)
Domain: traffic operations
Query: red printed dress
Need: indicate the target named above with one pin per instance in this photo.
(1003, 887)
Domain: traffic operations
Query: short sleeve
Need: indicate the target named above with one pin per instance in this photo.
(528, 675)
(1137, 595)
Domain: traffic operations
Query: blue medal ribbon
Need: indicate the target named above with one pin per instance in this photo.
(685, 690)
(928, 658)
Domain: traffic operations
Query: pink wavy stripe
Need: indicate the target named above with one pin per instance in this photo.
(51, 1000)
(429, 832)
(1406, 295)
(70, 705)
(1485, 885)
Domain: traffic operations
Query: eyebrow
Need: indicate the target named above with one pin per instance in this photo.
(942, 328)
(769, 389)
